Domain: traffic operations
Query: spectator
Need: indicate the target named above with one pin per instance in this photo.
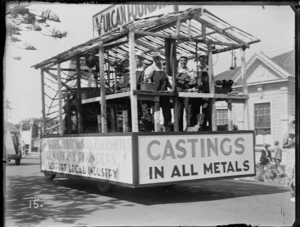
(277, 156)
(289, 144)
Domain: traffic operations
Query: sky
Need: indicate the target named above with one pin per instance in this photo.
(273, 25)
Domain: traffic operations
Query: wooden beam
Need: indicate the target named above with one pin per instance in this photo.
(132, 73)
(224, 32)
(102, 89)
(189, 28)
(149, 46)
(43, 101)
(61, 125)
(203, 31)
(154, 34)
(78, 101)
(56, 78)
(69, 70)
(178, 25)
(212, 88)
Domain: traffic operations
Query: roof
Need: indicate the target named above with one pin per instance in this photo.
(285, 61)
(186, 26)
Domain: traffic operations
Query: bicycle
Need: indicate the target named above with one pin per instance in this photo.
(269, 172)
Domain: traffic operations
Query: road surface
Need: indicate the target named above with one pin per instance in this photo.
(65, 202)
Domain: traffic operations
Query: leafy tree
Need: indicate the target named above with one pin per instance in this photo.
(22, 19)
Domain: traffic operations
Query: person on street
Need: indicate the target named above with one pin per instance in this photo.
(277, 156)
(289, 144)
(155, 74)
(264, 160)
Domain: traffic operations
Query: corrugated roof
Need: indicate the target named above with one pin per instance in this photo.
(223, 36)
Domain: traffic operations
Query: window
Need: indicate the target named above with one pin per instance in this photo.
(262, 118)
(222, 117)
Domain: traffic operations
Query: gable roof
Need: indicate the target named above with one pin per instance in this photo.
(283, 63)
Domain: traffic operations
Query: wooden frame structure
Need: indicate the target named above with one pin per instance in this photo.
(172, 35)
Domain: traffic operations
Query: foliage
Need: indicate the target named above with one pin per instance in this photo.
(21, 19)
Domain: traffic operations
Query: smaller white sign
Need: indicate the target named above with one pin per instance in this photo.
(108, 158)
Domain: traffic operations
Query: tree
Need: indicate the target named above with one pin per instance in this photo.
(22, 19)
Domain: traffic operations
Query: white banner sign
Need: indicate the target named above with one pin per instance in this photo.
(118, 15)
(167, 158)
(108, 158)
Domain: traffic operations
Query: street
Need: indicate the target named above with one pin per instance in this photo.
(33, 201)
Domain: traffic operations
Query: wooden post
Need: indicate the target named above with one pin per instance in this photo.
(61, 125)
(171, 62)
(245, 88)
(43, 101)
(212, 88)
(102, 89)
(79, 112)
(132, 73)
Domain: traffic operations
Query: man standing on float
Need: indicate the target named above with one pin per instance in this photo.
(202, 85)
(156, 75)
(184, 78)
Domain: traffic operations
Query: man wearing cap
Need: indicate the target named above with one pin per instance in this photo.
(184, 77)
(202, 85)
(156, 75)
(144, 106)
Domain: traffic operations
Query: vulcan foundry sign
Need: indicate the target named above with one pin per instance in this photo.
(118, 15)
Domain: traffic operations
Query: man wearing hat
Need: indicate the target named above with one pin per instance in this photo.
(144, 113)
(156, 75)
(184, 77)
(202, 85)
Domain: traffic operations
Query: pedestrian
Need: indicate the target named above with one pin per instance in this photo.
(289, 144)
(278, 156)
(264, 160)
(155, 74)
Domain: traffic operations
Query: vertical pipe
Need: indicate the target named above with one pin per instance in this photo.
(61, 125)
(79, 112)
(245, 88)
(102, 88)
(43, 101)
(132, 69)
(230, 123)
(212, 88)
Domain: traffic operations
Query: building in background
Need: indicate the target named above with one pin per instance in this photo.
(271, 90)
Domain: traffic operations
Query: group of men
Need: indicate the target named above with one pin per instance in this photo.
(196, 79)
